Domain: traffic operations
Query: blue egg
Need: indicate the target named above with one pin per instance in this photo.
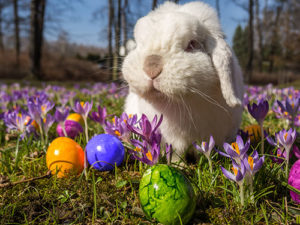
(104, 151)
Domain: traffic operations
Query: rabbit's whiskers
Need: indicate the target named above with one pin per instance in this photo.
(189, 112)
(208, 98)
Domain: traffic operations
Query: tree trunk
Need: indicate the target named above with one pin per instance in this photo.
(154, 4)
(124, 24)
(218, 8)
(36, 36)
(17, 32)
(259, 35)
(109, 37)
(117, 42)
(1, 32)
(249, 66)
(274, 40)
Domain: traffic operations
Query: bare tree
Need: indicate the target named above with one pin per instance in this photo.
(1, 21)
(17, 32)
(37, 8)
(109, 34)
(275, 38)
(124, 23)
(117, 41)
(259, 35)
(3, 5)
(249, 66)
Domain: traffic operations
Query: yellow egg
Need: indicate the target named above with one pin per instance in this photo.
(254, 132)
(76, 117)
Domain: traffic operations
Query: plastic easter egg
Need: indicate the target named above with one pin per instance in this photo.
(254, 133)
(33, 123)
(65, 155)
(167, 195)
(294, 180)
(72, 129)
(104, 151)
(76, 117)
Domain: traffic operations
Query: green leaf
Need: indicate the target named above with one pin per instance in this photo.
(291, 188)
(124, 205)
(99, 179)
(121, 183)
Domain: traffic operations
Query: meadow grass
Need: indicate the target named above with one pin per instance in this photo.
(112, 197)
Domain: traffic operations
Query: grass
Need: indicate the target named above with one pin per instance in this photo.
(112, 197)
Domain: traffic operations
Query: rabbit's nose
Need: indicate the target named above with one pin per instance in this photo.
(153, 65)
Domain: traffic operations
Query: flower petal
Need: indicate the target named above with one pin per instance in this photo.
(228, 174)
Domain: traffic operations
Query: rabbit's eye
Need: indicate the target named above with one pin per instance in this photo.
(194, 46)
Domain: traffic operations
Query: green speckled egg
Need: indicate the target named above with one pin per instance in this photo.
(167, 195)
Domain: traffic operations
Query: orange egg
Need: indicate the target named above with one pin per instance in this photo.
(254, 132)
(33, 123)
(65, 155)
(76, 117)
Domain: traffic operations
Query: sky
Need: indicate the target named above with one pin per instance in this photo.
(86, 20)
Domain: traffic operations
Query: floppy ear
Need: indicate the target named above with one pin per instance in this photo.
(223, 58)
(228, 72)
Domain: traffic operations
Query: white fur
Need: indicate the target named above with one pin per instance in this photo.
(198, 93)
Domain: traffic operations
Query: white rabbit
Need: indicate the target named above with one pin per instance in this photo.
(183, 68)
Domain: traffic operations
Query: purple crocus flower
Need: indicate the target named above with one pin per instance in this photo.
(148, 149)
(145, 152)
(169, 151)
(121, 127)
(297, 121)
(273, 142)
(280, 156)
(290, 105)
(259, 111)
(61, 116)
(46, 107)
(113, 88)
(287, 138)
(294, 180)
(147, 128)
(253, 163)
(279, 113)
(39, 107)
(205, 147)
(17, 121)
(35, 112)
(16, 95)
(289, 109)
(239, 172)
(236, 150)
(246, 99)
(83, 108)
(284, 140)
(99, 116)
(48, 122)
(130, 119)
